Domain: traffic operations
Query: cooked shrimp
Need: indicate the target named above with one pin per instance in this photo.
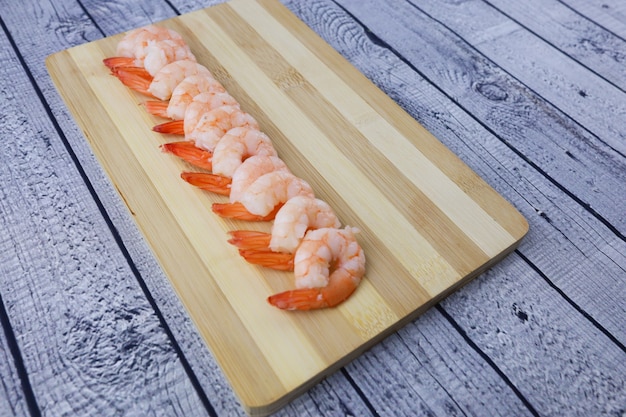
(200, 104)
(328, 266)
(262, 199)
(164, 81)
(214, 124)
(251, 169)
(293, 220)
(150, 47)
(275, 250)
(238, 144)
(183, 95)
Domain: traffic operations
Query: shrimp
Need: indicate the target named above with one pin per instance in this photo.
(328, 266)
(236, 145)
(164, 81)
(214, 124)
(251, 169)
(264, 197)
(183, 95)
(150, 47)
(200, 104)
(293, 220)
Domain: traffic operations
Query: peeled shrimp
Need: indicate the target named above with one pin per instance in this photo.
(200, 104)
(164, 81)
(183, 95)
(293, 220)
(151, 48)
(329, 265)
(262, 199)
(214, 124)
(236, 145)
(250, 169)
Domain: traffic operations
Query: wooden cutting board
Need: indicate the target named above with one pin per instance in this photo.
(428, 223)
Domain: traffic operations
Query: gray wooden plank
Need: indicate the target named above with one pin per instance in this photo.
(598, 49)
(610, 14)
(586, 98)
(453, 370)
(13, 397)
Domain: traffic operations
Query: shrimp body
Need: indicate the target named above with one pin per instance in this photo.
(151, 48)
(164, 81)
(193, 112)
(292, 221)
(191, 87)
(238, 144)
(298, 215)
(139, 38)
(168, 77)
(328, 266)
(251, 169)
(246, 174)
(264, 197)
(182, 96)
(275, 250)
(272, 189)
(214, 124)
(161, 53)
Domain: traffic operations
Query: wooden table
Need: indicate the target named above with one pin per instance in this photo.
(534, 102)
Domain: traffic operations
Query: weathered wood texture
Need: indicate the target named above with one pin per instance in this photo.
(542, 333)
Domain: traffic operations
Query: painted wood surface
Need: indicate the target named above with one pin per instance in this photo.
(92, 326)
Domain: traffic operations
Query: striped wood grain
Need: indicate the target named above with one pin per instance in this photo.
(429, 224)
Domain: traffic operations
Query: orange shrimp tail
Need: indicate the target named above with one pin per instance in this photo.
(238, 211)
(175, 127)
(208, 182)
(189, 152)
(280, 261)
(134, 79)
(118, 62)
(157, 108)
(309, 298)
(249, 239)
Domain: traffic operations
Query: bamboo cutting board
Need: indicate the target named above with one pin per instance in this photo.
(428, 223)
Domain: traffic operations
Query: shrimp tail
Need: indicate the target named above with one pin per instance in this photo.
(134, 78)
(280, 261)
(118, 61)
(238, 211)
(189, 152)
(157, 108)
(310, 298)
(174, 127)
(249, 239)
(208, 182)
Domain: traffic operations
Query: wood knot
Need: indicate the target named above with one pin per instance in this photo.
(289, 79)
(491, 91)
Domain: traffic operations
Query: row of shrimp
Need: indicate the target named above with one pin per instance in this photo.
(240, 161)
